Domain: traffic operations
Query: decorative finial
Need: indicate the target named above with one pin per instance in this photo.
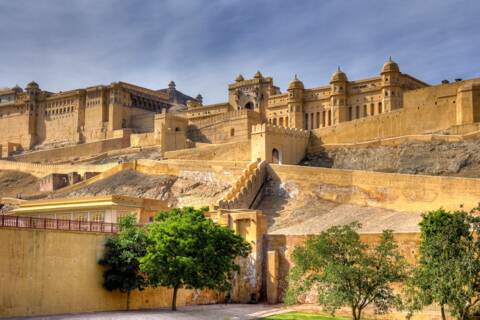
(390, 58)
(338, 69)
(295, 78)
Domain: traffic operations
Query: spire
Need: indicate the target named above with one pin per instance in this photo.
(295, 78)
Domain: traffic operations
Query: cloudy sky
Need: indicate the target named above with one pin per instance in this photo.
(204, 44)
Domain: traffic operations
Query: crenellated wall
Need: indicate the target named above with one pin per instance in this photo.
(245, 191)
(278, 144)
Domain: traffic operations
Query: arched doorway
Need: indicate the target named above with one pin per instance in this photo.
(276, 156)
(249, 105)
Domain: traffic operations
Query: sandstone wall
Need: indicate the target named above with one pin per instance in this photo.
(400, 192)
(53, 272)
(41, 170)
(71, 152)
(231, 151)
(226, 127)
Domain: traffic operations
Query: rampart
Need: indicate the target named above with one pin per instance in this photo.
(226, 127)
(402, 192)
(71, 152)
(239, 150)
(41, 170)
(277, 144)
(246, 190)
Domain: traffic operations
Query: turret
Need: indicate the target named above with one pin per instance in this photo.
(392, 93)
(338, 97)
(295, 104)
(199, 98)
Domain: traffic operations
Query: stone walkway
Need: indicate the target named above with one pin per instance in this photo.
(208, 312)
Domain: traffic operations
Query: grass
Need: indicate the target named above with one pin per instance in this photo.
(300, 316)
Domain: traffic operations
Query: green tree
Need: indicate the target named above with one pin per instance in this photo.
(448, 268)
(346, 271)
(187, 250)
(121, 259)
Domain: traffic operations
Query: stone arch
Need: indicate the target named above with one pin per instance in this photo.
(249, 105)
(276, 156)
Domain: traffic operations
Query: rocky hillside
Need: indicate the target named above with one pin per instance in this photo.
(178, 191)
(428, 158)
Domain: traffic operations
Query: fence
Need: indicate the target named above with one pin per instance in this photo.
(56, 224)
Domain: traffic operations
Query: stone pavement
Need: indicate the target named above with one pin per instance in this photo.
(207, 312)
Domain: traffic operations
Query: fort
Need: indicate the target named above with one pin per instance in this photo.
(275, 167)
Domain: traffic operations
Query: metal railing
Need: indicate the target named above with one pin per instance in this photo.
(8, 221)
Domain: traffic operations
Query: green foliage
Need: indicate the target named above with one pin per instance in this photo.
(346, 271)
(187, 250)
(448, 269)
(122, 254)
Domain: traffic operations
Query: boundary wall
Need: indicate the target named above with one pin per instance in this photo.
(75, 151)
(396, 141)
(226, 127)
(54, 272)
(41, 170)
(239, 150)
(401, 192)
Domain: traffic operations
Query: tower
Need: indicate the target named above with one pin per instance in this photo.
(33, 92)
(392, 94)
(295, 103)
(338, 97)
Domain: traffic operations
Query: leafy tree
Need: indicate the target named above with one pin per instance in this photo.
(122, 254)
(187, 250)
(346, 271)
(448, 269)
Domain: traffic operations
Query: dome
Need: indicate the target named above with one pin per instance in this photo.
(239, 78)
(32, 84)
(295, 84)
(390, 66)
(339, 75)
(258, 75)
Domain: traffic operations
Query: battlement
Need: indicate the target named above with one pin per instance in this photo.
(269, 128)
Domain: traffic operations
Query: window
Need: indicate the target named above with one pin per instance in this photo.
(380, 108)
(357, 112)
(232, 132)
(350, 111)
(318, 119)
(305, 123)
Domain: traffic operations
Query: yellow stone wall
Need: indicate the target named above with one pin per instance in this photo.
(395, 191)
(233, 151)
(53, 272)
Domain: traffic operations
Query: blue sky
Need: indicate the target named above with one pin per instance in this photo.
(203, 45)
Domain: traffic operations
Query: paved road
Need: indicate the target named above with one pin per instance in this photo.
(208, 312)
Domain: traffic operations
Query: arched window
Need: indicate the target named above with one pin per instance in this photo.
(357, 112)
(380, 108)
(232, 132)
(177, 129)
(249, 105)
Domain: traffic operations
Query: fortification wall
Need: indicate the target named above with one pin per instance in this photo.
(54, 272)
(400, 192)
(396, 141)
(41, 170)
(226, 127)
(79, 150)
(425, 110)
(278, 144)
(245, 190)
(231, 151)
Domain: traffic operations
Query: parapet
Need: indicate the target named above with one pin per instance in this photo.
(269, 128)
